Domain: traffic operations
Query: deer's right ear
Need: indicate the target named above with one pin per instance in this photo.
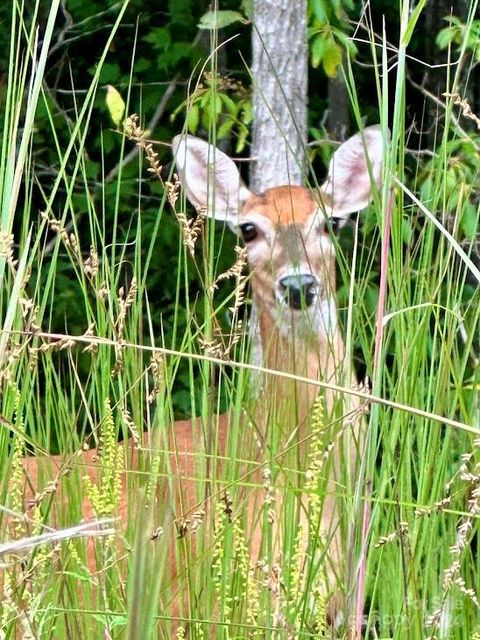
(355, 166)
(210, 178)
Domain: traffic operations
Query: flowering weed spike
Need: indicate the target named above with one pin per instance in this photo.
(105, 495)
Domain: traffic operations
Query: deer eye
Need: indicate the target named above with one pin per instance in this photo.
(249, 231)
(337, 224)
(334, 225)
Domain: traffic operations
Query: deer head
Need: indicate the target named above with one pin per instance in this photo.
(290, 252)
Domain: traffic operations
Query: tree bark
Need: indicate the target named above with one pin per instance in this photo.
(338, 117)
(279, 68)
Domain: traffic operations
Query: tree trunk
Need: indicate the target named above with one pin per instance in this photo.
(338, 118)
(279, 67)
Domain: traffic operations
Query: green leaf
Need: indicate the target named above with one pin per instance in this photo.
(337, 8)
(160, 38)
(242, 138)
(217, 103)
(206, 98)
(211, 103)
(110, 73)
(318, 48)
(225, 128)
(193, 118)
(230, 104)
(412, 21)
(315, 133)
(321, 10)
(332, 58)
(219, 19)
(178, 51)
(246, 115)
(469, 223)
(115, 105)
(142, 64)
(444, 37)
(207, 115)
(346, 42)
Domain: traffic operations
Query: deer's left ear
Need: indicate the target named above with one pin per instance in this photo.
(348, 187)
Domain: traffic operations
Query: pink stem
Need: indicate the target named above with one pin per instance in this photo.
(382, 293)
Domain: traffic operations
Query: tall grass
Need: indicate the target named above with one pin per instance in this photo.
(414, 514)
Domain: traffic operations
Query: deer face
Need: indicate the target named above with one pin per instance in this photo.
(288, 248)
(291, 256)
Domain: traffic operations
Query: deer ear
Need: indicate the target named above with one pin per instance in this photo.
(354, 166)
(210, 178)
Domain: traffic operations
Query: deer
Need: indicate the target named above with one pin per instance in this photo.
(295, 331)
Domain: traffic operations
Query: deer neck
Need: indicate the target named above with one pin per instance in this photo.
(305, 345)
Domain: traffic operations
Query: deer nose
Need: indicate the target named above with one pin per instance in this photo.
(299, 291)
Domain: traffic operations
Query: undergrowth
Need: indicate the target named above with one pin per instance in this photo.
(414, 515)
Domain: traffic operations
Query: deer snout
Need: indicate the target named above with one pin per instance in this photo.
(298, 291)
